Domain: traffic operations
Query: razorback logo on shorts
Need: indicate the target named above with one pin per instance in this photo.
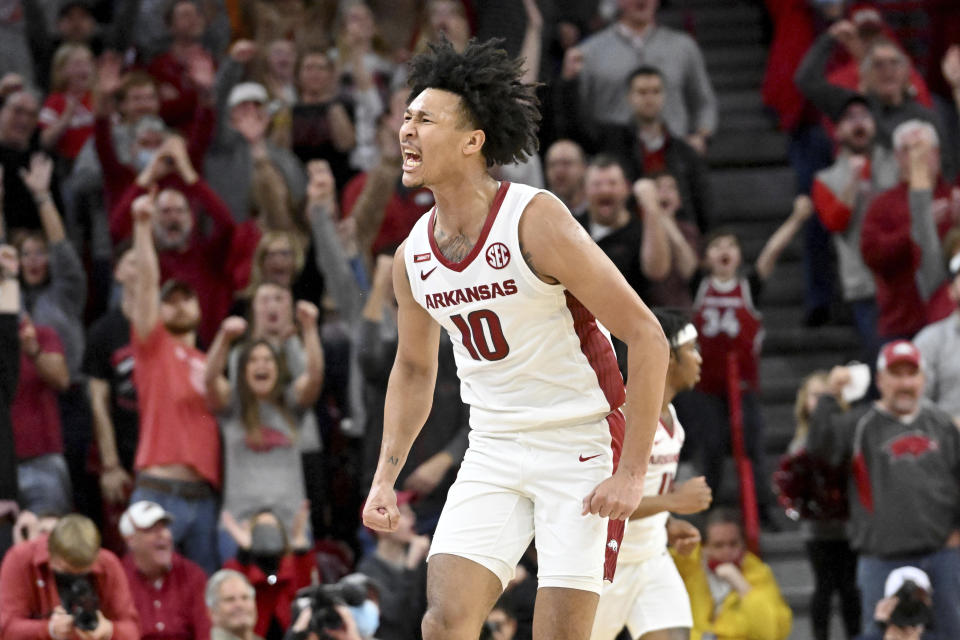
(614, 546)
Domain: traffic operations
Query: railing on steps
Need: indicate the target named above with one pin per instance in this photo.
(748, 494)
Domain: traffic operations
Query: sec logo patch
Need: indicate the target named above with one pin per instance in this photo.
(498, 256)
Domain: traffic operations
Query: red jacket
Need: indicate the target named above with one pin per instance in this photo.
(207, 264)
(274, 600)
(171, 608)
(28, 593)
(890, 252)
(117, 176)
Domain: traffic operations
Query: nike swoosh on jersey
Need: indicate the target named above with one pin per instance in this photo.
(424, 276)
(582, 459)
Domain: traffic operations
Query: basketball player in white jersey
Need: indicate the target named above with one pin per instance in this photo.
(649, 597)
(516, 282)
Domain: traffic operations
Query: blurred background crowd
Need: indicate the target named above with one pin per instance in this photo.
(200, 203)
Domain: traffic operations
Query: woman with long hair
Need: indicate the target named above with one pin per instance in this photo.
(828, 549)
(260, 410)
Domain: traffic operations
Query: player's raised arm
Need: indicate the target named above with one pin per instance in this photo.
(558, 249)
(409, 398)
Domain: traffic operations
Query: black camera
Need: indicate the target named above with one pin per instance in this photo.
(913, 606)
(80, 600)
(322, 600)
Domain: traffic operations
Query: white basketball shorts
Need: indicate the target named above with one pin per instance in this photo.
(646, 596)
(513, 487)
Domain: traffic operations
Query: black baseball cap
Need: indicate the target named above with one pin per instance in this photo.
(849, 102)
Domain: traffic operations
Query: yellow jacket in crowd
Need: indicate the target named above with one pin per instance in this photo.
(761, 614)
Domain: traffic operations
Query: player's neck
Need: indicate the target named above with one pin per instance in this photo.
(463, 204)
(669, 393)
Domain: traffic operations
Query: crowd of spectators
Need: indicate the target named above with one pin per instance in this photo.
(200, 201)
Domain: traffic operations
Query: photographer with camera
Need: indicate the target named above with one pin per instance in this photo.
(325, 612)
(65, 587)
(905, 611)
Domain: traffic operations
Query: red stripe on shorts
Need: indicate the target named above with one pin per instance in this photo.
(615, 528)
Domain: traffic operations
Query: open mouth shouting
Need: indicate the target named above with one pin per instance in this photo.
(411, 159)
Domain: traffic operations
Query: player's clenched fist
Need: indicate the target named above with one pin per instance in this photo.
(616, 498)
(380, 511)
(692, 496)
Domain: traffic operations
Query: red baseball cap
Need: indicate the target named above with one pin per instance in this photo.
(898, 351)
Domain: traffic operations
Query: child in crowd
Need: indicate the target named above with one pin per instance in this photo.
(730, 328)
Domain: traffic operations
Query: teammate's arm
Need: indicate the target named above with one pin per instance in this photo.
(558, 250)
(692, 496)
(409, 398)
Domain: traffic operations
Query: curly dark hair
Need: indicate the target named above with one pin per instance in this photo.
(493, 97)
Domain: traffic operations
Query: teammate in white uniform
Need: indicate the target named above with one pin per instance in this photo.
(516, 281)
(649, 597)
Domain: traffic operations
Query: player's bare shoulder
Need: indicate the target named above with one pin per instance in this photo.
(547, 231)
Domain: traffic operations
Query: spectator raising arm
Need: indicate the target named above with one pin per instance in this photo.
(333, 257)
(146, 296)
(215, 381)
(532, 46)
(655, 250)
(67, 277)
(802, 210)
(307, 386)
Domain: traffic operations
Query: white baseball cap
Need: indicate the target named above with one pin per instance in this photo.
(906, 574)
(247, 92)
(142, 515)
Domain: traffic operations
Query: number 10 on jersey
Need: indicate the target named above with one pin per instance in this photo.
(481, 335)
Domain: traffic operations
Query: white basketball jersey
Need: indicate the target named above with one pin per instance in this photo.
(646, 538)
(529, 355)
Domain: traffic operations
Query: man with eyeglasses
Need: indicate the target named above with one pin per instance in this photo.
(884, 78)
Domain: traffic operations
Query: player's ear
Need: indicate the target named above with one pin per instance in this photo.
(473, 142)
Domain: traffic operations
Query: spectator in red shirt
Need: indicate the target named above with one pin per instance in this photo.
(901, 237)
(276, 566)
(178, 454)
(35, 575)
(185, 72)
(165, 586)
(41, 468)
(122, 104)
(66, 119)
(202, 261)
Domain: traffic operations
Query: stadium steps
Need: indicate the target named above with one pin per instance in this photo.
(753, 189)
